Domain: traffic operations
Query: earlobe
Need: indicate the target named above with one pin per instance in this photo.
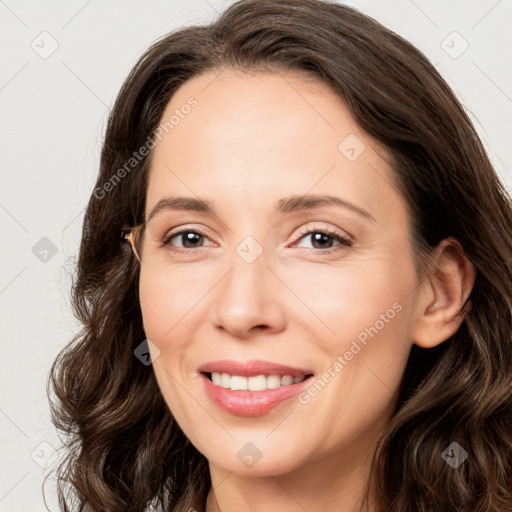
(443, 294)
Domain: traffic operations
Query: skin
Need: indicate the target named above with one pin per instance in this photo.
(252, 139)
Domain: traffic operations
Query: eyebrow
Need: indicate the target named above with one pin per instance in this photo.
(285, 205)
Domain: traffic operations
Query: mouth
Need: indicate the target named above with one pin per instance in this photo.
(252, 388)
(260, 382)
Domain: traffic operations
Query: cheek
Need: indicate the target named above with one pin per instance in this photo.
(164, 318)
(344, 304)
(369, 313)
(165, 303)
(362, 355)
(157, 308)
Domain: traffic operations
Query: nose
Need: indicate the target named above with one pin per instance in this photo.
(249, 299)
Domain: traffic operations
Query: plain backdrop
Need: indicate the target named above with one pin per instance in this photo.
(61, 67)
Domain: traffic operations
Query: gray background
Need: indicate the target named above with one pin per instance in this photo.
(54, 110)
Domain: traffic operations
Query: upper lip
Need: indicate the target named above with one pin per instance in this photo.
(252, 368)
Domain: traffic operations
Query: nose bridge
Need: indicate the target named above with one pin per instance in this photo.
(248, 296)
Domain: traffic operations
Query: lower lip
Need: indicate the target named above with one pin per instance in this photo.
(251, 403)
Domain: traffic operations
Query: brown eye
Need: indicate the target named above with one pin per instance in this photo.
(322, 239)
(189, 239)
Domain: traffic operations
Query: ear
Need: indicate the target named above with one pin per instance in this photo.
(442, 294)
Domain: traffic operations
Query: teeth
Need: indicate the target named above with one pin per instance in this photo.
(216, 378)
(286, 380)
(225, 380)
(238, 382)
(273, 381)
(256, 383)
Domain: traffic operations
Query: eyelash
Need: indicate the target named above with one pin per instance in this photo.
(344, 241)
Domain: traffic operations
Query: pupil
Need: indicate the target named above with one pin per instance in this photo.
(322, 238)
(189, 237)
(318, 238)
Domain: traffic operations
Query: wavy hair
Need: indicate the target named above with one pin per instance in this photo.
(124, 450)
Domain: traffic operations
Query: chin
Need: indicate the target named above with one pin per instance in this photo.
(259, 457)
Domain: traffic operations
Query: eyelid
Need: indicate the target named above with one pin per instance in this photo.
(191, 226)
(330, 230)
(343, 237)
(344, 241)
(183, 229)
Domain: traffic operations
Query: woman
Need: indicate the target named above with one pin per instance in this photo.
(320, 274)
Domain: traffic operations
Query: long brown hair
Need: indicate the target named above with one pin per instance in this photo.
(124, 449)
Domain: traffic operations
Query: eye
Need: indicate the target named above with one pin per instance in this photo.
(324, 238)
(190, 239)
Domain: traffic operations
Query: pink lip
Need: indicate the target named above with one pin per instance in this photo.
(251, 403)
(252, 368)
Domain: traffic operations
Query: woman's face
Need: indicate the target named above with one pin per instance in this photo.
(254, 287)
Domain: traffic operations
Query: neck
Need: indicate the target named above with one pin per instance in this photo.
(320, 485)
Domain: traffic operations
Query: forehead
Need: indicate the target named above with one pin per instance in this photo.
(275, 110)
(253, 137)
